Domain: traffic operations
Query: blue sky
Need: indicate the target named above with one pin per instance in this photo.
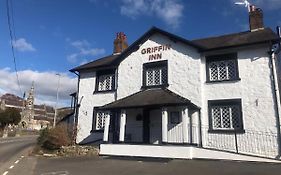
(53, 36)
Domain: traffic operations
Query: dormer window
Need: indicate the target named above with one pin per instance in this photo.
(105, 81)
(222, 68)
(155, 74)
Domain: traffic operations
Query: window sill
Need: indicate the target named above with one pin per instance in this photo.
(102, 92)
(157, 86)
(223, 81)
(95, 131)
(239, 131)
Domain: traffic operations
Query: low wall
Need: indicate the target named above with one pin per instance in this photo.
(175, 152)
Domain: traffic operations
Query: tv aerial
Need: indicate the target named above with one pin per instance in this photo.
(245, 2)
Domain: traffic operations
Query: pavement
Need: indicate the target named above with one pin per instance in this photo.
(18, 162)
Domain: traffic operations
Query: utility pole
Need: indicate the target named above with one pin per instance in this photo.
(56, 110)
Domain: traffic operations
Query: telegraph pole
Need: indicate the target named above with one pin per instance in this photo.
(56, 107)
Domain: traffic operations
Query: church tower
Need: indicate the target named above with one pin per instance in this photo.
(28, 114)
(30, 98)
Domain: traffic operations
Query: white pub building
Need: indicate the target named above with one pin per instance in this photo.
(169, 97)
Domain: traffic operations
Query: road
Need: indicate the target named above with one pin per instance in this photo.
(121, 166)
(13, 150)
(12, 163)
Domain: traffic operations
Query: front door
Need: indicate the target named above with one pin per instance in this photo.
(146, 126)
(155, 126)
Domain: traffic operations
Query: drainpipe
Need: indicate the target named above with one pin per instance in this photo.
(276, 96)
(116, 83)
(200, 129)
(76, 109)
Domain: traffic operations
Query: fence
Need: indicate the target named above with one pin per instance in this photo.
(251, 142)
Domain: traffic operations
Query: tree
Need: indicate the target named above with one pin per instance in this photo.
(9, 116)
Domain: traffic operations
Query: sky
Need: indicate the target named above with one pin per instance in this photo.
(53, 36)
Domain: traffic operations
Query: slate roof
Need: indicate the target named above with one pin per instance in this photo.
(237, 39)
(38, 117)
(205, 44)
(150, 98)
(102, 62)
(14, 103)
(113, 60)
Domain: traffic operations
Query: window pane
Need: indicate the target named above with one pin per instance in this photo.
(216, 117)
(156, 76)
(105, 82)
(164, 75)
(235, 110)
(231, 69)
(226, 117)
(149, 77)
(222, 70)
(101, 83)
(100, 119)
(213, 71)
(175, 117)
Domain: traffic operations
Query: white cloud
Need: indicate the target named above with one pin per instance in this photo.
(80, 44)
(84, 49)
(22, 45)
(170, 11)
(45, 83)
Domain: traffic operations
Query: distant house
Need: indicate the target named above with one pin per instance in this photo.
(68, 115)
(33, 116)
(166, 96)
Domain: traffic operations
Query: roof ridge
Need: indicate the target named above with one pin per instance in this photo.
(231, 34)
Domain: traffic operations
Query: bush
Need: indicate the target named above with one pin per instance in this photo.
(54, 138)
(43, 134)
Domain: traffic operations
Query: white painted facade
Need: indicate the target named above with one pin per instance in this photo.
(187, 78)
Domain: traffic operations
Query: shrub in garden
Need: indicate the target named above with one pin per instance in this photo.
(43, 134)
(54, 138)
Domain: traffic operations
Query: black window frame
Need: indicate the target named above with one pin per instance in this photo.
(225, 102)
(94, 121)
(177, 121)
(150, 65)
(222, 57)
(102, 73)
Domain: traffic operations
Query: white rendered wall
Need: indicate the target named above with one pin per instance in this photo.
(88, 102)
(258, 110)
(183, 69)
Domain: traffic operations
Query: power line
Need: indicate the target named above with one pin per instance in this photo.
(12, 37)
(13, 21)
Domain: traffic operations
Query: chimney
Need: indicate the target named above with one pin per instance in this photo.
(120, 43)
(255, 18)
